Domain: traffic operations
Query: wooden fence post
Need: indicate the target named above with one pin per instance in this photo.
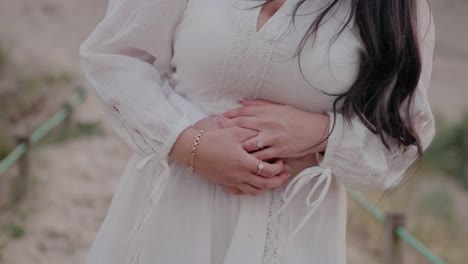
(392, 251)
(20, 183)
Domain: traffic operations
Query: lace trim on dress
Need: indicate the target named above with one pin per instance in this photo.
(136, 255)
(270, 253)
(260, 51)
(234, 65)
(133, 133)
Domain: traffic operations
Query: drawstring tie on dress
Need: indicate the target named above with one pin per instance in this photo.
(155, 194)
(324, 176)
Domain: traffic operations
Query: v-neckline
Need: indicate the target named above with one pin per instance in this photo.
(270, 19)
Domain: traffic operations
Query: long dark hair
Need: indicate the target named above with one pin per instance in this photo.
(389, 70)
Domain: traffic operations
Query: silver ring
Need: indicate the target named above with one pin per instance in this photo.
(259, 143)
(260, 167)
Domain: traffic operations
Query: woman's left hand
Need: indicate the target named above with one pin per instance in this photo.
(284, 131)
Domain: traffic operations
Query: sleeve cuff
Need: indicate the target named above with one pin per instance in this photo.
(171, 138)
(335, 139)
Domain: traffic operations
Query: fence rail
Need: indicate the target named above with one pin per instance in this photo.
(394, 233)
(19, 153)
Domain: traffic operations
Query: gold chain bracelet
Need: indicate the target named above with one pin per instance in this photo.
(195, 145)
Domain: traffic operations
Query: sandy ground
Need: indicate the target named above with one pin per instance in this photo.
(76, 179)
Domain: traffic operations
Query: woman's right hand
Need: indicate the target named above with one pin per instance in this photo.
(221, 159)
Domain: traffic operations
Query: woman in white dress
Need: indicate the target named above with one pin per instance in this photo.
(334, 96)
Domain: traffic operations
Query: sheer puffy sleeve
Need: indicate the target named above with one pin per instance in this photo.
(127, 60)
(357, 157)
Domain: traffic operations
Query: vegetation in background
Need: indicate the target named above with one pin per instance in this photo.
(433, 206)
(438, 204)
(13, 223)
(14, 230)
(76, 130)
(63, 77)
(3, 55)
(28, 95)
(431, 200)
(26, 98)
(6, 144)
(449, 151)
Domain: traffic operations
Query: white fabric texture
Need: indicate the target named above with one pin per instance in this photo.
(159, 66)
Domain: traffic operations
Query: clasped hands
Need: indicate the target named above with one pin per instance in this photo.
(284, 139)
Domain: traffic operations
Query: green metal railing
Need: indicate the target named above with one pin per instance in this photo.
(44, 129)
(399, 231)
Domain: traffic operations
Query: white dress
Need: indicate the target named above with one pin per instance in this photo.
(161, 65)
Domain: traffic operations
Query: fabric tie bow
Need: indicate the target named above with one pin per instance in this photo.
(323, 175)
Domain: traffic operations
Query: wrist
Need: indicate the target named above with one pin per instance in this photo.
(195, 146)
(181, 151)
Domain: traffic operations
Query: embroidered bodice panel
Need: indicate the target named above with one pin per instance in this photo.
(246, 63)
